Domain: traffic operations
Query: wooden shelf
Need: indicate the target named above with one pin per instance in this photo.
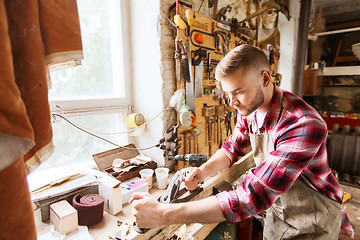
(341, 85)
(341, 71)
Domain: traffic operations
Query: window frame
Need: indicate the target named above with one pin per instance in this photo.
(82, 105)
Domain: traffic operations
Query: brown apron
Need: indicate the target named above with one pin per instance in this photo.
(301, 212)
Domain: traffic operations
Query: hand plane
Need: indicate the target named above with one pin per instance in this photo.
(176, 192)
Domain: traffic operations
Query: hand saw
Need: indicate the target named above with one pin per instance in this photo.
(197, 57)
(189, 85)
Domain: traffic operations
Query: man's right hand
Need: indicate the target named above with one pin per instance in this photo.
(193, 177)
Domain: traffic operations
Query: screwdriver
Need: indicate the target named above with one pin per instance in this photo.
(178, 19)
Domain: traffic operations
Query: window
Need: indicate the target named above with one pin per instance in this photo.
(75, 147)
(95, 95)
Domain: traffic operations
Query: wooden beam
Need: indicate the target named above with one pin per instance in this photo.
(337, 52)
(343, 25)
(347, 59)
(341, 7)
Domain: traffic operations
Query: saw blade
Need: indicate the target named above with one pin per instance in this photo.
(198, 79)
(189, 88)
(178, 70)
(185, 69)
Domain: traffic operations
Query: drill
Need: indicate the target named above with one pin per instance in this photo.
(195, 160)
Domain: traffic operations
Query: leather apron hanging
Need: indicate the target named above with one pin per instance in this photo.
(301, 212)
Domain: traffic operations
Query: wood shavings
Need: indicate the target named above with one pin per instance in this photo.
(124, 228)
(184, 233)
(126, 231)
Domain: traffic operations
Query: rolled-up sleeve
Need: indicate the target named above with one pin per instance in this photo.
(297, 142)
(237, 143)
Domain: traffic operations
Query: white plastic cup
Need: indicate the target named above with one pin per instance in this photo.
(147, 174)
(162, 177)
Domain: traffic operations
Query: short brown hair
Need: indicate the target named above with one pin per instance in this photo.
(244, 55)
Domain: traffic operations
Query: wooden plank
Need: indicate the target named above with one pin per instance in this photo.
(338, 26)
(347, 59)
(197, 231)
(337, 53)
(230, 175)
(338, 71)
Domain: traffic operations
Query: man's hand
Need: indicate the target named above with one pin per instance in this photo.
(147, 211)
(193, 177)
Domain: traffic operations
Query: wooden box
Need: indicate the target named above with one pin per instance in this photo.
(64, 217)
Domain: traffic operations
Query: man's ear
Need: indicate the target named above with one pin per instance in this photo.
(266, 77)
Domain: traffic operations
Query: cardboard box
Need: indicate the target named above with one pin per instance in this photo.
(105, 159)
(64, 217)
(45, 204)
(133, 185)
(110, 190)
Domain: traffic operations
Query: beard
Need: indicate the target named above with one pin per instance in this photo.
(255, 103)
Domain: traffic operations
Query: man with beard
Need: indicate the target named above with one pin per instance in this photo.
(292, 180)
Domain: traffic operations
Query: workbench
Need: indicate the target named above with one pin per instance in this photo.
(109, 226)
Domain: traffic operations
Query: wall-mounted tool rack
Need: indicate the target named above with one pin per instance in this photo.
(206, 42)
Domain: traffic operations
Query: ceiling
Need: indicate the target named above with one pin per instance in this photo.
(337, 11)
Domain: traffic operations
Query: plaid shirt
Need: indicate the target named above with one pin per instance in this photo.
(299, 152)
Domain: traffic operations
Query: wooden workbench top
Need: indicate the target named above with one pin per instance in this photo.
(352, 210)
(108, 227)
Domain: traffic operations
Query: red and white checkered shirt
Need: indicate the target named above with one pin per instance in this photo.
(299, 152)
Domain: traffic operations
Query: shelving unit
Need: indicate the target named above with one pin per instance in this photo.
(334, 91)
(335, 101)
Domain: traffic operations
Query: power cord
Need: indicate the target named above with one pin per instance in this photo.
(104, 139)
(112, 133)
